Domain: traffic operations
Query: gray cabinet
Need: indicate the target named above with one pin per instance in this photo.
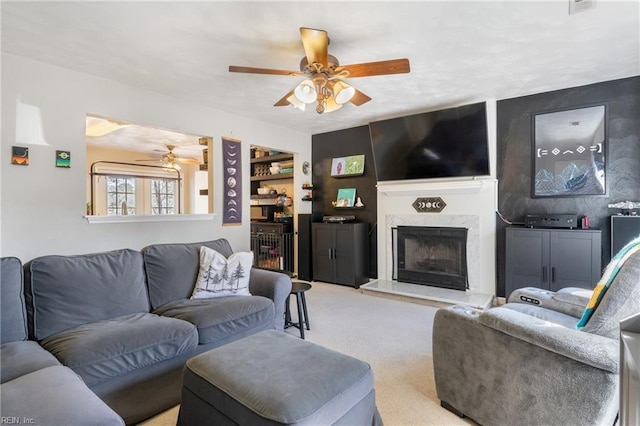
(552, 258)
(340, 253)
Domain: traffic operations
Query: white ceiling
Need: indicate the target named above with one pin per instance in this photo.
(460, 52)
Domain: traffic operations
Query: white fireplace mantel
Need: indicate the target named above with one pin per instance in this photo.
(468, 203)
(472, 186)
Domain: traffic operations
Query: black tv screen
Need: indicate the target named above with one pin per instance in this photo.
(447, 143)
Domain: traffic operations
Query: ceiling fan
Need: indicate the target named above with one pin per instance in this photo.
(324, 83)
(170, 159)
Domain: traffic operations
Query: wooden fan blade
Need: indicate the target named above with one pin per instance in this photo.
(359, 98)
(367, 69)
(315, 44)
(283, 101)
(253, 70)
(187, 160)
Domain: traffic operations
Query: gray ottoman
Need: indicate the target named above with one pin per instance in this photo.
(272, 378)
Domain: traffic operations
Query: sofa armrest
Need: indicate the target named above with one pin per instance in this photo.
(570, 301)
(274, 285)
(591, 349)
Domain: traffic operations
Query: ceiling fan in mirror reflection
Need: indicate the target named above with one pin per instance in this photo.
(171, 159)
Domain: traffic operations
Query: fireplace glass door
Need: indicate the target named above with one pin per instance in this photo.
(433, 256)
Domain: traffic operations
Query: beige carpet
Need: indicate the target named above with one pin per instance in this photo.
(393, 336)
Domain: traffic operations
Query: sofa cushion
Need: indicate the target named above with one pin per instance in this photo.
(14, 318)
(224, 317)
(220, 277)
(172, 269)
(54, 396)
(103, 350)
(64, 292)
(23, 357)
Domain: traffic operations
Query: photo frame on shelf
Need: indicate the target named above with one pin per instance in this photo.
(569, 149)
(347, 166)
(346, 197)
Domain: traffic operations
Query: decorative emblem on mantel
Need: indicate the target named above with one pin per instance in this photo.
(429, 205)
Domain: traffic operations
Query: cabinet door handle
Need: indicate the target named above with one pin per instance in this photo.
(330, 253)
(544, 274)
(553, 274)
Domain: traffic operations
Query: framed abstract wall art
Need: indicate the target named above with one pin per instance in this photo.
(569, 152)
(20, 155)
(347, 166)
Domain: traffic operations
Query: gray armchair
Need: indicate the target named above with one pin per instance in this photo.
(526, 363)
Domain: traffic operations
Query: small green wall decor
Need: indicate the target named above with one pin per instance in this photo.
(63, 159)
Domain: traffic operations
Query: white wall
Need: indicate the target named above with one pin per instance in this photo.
(43, 206)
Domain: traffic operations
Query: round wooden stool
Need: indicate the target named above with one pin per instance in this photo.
(298, 288)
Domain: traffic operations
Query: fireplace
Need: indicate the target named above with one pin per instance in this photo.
(432, 256)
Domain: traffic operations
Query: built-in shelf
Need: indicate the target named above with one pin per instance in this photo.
(272, 158)
(272, 177)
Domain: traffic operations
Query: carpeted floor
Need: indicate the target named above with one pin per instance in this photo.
(393, 336)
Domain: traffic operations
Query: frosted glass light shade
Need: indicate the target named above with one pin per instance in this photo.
(305, 92)
(331, 105)
(296, 102)
(343, 92)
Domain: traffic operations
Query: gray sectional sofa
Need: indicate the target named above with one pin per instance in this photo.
(123, 320)
(35, 388)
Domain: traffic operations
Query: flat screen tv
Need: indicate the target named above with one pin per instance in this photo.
(447, 143)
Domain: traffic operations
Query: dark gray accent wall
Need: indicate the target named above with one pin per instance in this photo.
(515, 158)
(343, 143)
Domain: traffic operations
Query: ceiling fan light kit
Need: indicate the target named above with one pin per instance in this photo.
(324, 83)
(170, 159)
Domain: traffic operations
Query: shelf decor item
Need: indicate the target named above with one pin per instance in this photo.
(569, 152)
(232, 208)
(346, 197)
(347, 166)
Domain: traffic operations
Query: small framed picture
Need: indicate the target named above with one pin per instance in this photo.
(20, 155)
(347, 166)
(346, 197)
(63, 159)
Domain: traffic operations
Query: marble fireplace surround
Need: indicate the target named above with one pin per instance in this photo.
(469, 205)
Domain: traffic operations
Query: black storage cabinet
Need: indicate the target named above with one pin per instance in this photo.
(341, 253)
(552, 258)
